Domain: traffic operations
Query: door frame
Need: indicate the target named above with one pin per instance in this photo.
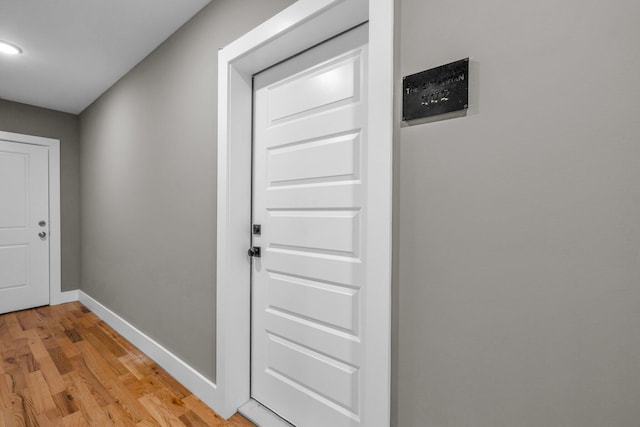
(297, 28)
(53, 145)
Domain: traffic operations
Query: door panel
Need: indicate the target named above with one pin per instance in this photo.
(310, 299)
(310, 135)
(313, 373)
(24, 203)
(328, 160)
(17, 273)
(327, 231)
(14, 190)
(314, 90)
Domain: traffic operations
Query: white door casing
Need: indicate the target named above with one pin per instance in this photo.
(301, 26)
(51, 149)
(24, 226)
(309, 185)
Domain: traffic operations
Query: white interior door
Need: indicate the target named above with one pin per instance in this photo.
(309, 186)
(24, 226)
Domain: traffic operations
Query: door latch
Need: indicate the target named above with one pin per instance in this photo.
(254, 252)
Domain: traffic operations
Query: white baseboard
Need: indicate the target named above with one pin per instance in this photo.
(200, 386)
(63, 297)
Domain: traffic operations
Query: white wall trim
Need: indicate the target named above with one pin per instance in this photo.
(200, 386)
(64, 297)
(299, 27)
(55, 254)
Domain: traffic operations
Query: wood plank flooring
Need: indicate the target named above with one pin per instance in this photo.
(61, 366)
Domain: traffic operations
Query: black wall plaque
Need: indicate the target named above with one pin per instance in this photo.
(436, 91)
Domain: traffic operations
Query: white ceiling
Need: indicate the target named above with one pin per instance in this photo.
(74, 50)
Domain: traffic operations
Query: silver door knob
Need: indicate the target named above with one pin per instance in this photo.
(42, 234)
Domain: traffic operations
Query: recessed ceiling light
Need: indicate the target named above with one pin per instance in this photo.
(9, 48)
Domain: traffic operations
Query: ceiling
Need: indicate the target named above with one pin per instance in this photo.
(74, 50)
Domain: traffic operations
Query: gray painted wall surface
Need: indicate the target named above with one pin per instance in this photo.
(519, 297)
(149, 185)
(518, 246)
(29, 120)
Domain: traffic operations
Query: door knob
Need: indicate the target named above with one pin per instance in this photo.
(254, 252)
(42, 234)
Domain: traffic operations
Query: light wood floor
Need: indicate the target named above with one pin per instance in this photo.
(62, 366)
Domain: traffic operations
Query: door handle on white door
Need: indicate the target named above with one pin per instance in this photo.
(42, 234)
(254, 252)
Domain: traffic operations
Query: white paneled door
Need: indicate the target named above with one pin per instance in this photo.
(24, 226)
(309, 186)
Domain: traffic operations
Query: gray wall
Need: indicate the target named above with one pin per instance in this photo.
(518, 261)
(29, 120)
(149, 185)
(519, 297)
